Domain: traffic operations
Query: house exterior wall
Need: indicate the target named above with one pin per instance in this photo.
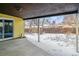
(18, 24)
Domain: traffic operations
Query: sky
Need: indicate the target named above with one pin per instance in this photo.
(57, 19)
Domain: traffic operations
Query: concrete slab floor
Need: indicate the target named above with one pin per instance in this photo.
(20, 47)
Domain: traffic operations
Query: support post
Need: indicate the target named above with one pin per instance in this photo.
(38, 31)
(3, 29)
(77, 21)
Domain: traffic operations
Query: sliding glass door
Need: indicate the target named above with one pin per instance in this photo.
(8, 28)
(1, 29)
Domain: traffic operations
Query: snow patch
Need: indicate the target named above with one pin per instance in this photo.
(55, 44)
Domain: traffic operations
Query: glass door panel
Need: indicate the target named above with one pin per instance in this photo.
(8, 28)
(1, 29)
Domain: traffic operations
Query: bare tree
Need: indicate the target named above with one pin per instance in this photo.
(43, 24)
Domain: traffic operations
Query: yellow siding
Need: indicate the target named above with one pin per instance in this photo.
(18, 24)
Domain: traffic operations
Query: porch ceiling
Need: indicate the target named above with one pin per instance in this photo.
(28, 10)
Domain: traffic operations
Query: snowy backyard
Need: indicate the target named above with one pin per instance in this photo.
(55, 44)
(57, 34)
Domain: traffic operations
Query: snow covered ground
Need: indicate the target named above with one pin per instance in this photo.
(55, 44)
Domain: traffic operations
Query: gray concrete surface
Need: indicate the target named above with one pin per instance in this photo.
(20, 47)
